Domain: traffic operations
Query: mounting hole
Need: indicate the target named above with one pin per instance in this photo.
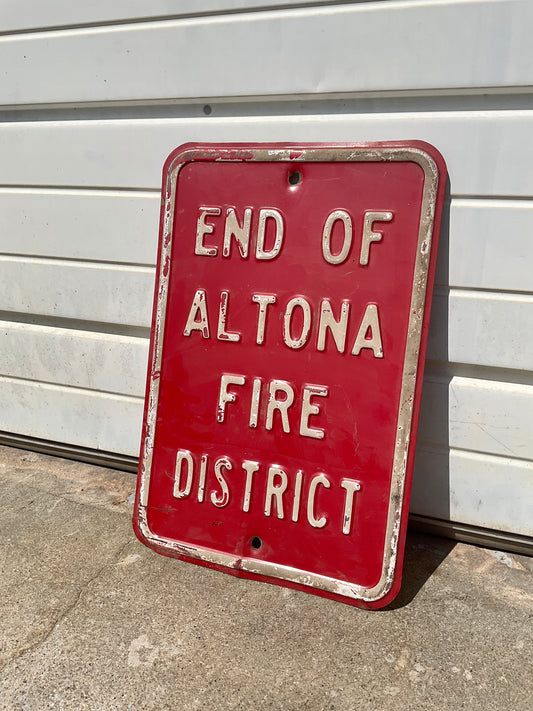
(207, 109)
(295, 177)
(256, 543)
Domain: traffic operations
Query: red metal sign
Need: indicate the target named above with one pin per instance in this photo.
(288, 339)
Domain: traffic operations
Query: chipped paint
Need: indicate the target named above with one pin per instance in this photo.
(158, 330)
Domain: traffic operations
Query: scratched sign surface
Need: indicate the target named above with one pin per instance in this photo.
(290, 320)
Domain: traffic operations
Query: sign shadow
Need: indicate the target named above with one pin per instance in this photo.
(423, 555)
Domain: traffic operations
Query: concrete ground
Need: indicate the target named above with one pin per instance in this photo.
(91, 619)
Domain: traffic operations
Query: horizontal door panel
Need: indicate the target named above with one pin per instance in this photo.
(59, 13)
(486, 245)
(360, 47)
(77, 290)
(84, 359)
(130, 153)
(480, 415)
(111, 423)
(108, 226)
(476, 489)
(482, 328)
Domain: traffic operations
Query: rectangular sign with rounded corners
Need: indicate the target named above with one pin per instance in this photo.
(290, 321)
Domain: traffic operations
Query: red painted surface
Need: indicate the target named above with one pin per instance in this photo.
(359, 413)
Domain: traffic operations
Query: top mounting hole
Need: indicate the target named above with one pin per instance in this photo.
(295, 177)
(256, 542)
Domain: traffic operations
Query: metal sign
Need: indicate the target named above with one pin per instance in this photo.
(290, 319)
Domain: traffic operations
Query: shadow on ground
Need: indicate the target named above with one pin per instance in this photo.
(423, 555)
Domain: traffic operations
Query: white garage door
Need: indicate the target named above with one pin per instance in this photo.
(94, 96)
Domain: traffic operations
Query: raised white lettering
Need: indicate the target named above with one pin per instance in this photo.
(224, 396)
(222, 500)
(306, 326)
(370, 321)
(368, 235)
(315, 481)
(240, 232)
(263, 300)
(297, 494)
(201, 482)
(345, 218)
(254, 407)
(203, 228)
(198, 308)
(351, 487)
(337, 328)
(281, 405)
(250, 468)
(309, 409)
(275, 491)
(222, 334)
(282, 491)
(264, 215)
(183, 456)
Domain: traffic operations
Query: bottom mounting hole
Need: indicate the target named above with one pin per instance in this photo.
(295, 177)
(256, 542)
